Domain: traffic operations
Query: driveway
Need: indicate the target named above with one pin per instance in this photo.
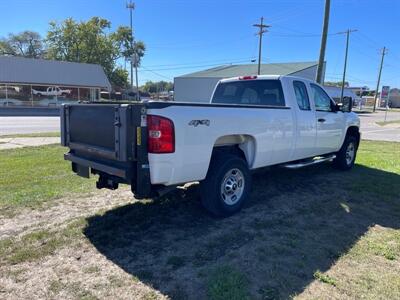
(372, 131)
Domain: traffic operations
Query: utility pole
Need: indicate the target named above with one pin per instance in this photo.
(321, 59)
(384, 52)
(133, 59)
(347, 32)
(260, 33)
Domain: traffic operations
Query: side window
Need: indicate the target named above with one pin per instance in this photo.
(321, 99)
(300, 91)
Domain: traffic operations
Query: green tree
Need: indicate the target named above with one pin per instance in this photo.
(119, 78)
(123, 39)
(154, 87)
(26, 44)
(91, 42)
(336, 83)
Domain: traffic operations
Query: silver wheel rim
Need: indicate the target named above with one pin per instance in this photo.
(232, 186)
(350, 152)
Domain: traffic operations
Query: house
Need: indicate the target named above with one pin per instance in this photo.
(199, 86)
(40, 82)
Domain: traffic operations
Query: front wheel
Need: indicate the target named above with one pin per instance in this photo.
(346, 156)
(227, 185)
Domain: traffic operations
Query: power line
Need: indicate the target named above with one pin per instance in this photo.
(199, 66)
(218, 61)
(155, 73)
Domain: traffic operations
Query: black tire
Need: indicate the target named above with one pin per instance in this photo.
(225, 169)
(342, 160)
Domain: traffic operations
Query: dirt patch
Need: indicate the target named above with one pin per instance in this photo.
(62, 210)
(72, 273)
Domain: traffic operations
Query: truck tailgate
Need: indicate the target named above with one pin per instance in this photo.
(108, 140)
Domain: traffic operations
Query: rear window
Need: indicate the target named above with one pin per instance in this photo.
(250, 92)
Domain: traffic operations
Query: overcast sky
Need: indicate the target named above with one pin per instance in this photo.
(183, 36)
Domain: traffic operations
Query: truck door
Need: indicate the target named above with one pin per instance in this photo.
(306, 129)
(330, 123)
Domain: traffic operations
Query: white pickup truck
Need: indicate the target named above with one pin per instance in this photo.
(250, 122)
(51, 91)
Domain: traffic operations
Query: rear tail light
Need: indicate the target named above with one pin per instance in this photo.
(161, 135)
(248, 77)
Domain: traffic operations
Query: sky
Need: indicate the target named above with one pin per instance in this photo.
(183, 36)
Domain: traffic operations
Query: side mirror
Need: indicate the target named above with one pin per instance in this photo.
(338, 107)
(347, 104)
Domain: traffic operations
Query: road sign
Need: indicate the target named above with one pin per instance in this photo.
(385, 95)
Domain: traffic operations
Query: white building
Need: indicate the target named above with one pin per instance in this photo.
(39, 82)
(199, 86)
(336, 91)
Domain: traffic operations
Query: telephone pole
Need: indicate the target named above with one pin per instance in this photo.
(323, 42)
(260, 33)
(384, 52)
(347, 32)
(133, 59)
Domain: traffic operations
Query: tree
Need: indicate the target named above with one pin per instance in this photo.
(119, 78)
(123, 39)
(336, 83)
(26, 44)
(91, 42)
(154, 87)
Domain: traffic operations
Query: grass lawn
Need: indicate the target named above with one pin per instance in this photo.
(313, 233)
(388, 122)
(32, 176)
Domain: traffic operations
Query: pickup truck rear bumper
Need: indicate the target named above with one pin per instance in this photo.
(95, 165)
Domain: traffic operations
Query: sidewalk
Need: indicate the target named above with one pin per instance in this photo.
(19, 142)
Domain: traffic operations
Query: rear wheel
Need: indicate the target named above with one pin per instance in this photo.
(347, 154)
(227, 185)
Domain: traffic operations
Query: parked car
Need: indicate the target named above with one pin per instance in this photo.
(51, 91)
(10, 102)
(250, 122)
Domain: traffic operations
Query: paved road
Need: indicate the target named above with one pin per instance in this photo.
(371, 131)
(18, 125)
(369, 128)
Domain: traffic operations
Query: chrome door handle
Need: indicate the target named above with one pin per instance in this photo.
(321, 120)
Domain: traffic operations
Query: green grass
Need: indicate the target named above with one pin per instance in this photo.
(324, 278)
(379, 155)
(388, 122)
(39, 134)
(227, 283)
(33, 175)
(176, 262)
(383, 156)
